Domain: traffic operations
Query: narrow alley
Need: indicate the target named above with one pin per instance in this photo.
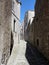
(18, 54)
(24, 54)
(24, 32)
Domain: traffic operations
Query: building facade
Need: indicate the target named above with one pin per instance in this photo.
(40, 27)
(5, 30)
(16, 20)
(22, 31)
(29, 16)
(9, 27)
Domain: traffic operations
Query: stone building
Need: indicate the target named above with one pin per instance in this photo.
(41, 26)
(30, 31)
(22, 31)
(16, 20)
(9, 27)
(29, 16)
(5, 30)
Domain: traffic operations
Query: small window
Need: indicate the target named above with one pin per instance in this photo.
(37, 42)
(14, 25)
(36, 19)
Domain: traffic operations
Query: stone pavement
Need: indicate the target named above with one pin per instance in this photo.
(18, 54)
(25, 54)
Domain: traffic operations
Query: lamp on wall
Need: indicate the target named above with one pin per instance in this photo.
(19, 2)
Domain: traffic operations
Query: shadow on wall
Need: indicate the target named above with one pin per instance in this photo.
(34, 57)
(12, 41)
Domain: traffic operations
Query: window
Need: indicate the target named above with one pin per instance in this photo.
(37, 42)
(14, 25)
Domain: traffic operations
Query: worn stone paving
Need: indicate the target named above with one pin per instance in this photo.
(25, 54)
(18, 54)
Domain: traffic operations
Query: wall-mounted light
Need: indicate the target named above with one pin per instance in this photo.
(19, 2)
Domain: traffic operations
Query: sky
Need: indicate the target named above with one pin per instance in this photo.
(26, 5)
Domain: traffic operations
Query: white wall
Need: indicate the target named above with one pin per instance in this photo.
(29, 15)
(16, 11)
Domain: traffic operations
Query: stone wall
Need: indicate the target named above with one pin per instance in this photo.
(5, 30)
(16, 20)
(28, 19)
(41, 26)
(38, 31)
